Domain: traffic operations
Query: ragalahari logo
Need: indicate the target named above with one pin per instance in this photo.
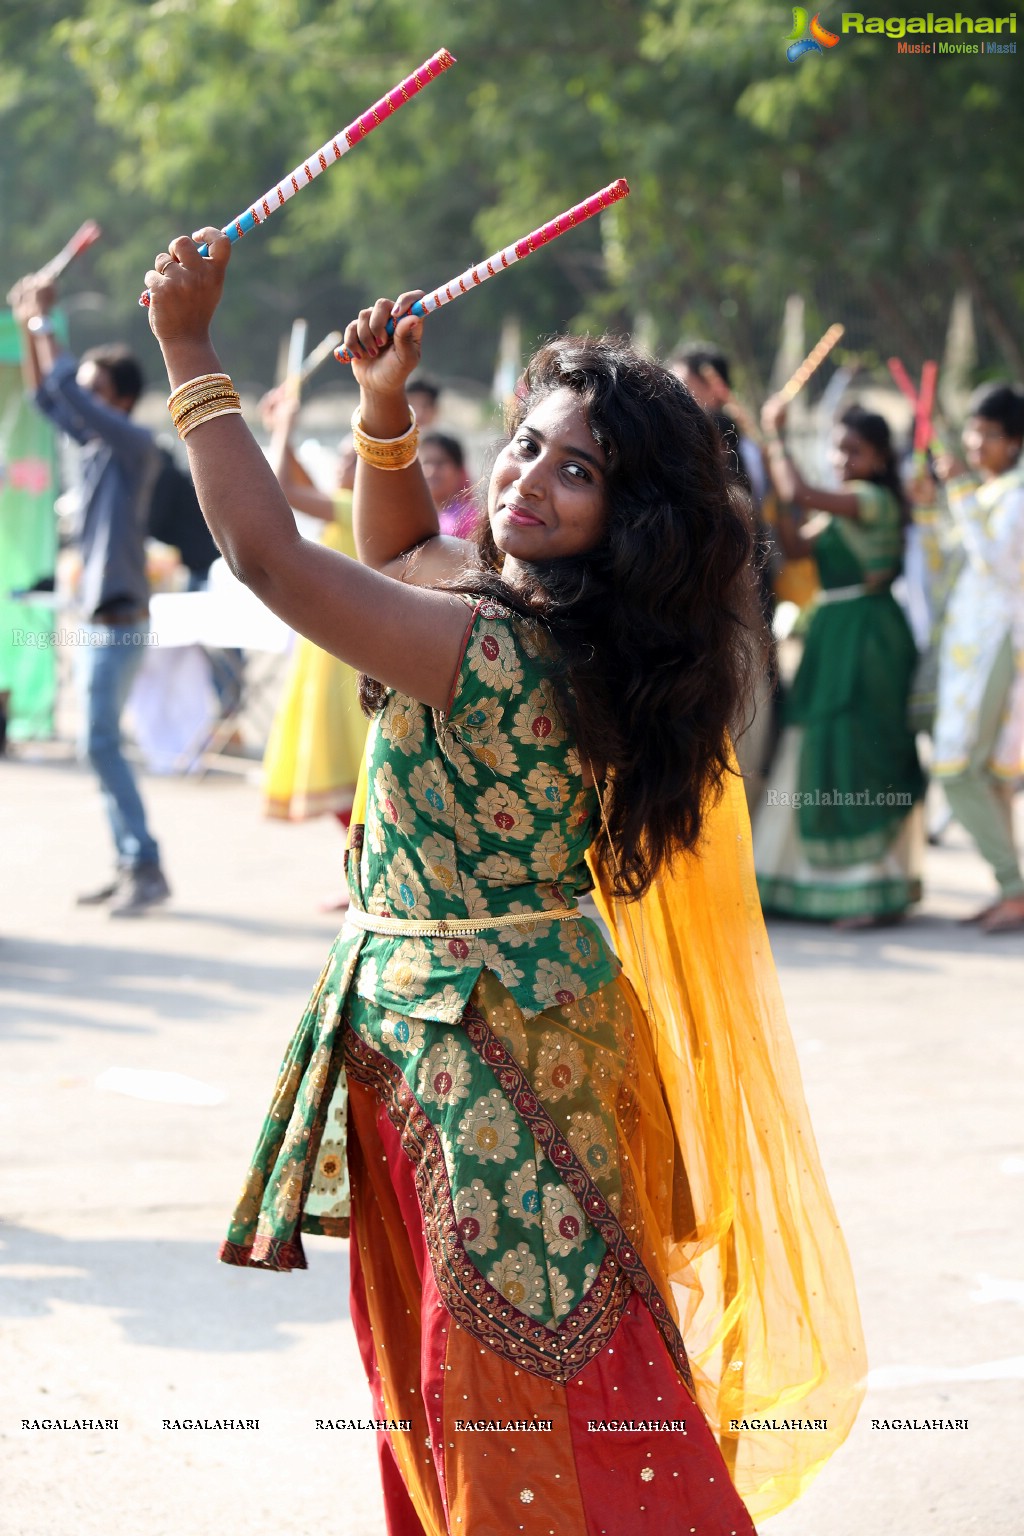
(799, 42)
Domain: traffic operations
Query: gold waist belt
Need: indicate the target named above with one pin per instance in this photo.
(452, 927)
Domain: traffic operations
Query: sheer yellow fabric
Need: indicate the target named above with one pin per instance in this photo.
(315, 746)
(769, 1310)
(748, 1234)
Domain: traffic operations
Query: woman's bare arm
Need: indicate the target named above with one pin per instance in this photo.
(279, 410)
(394, 513)
(409, 638)
(790, 485)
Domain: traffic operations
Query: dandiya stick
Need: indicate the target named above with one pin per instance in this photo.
(357, 130)
(85, 235)
(924, 410)
(923, 432)
(320, 353)
(902, 380)
(811, 363)
(474, 276)
(296, 352)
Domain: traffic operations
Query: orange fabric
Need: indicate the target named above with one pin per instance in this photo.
(487, 1471)
(391, 1290)
(797, 582)
(575, 1474)
(769, 1310)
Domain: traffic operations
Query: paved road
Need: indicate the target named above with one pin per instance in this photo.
(112, 1306)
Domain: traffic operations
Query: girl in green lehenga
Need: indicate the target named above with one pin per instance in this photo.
(838, 837)
(474, 1064)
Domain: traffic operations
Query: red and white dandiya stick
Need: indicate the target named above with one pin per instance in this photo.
(811, 363)
(474, 276)
(85, 235)
(902, 380)
(923, 430)
(333, 150)
(923, 404)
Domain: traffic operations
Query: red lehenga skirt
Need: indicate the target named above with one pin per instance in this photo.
(524, 1353)
(463, 1465)
(530, 1196)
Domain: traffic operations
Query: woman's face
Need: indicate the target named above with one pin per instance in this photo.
(854, 458)
(987, 446)
(547, 498)
(443, 476)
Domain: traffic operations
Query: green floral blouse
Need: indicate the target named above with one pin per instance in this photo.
(475, 811)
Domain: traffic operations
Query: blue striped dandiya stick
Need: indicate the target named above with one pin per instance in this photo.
(333, 150)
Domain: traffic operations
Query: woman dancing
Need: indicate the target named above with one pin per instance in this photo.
(530, 1158)
(838, 836)
(979, 728)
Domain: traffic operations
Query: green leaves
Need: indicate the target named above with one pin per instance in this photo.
(863, 178)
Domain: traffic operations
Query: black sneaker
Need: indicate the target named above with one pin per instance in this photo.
(105, 893)
(143, 887)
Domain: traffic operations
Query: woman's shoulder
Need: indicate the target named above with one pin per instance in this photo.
(876, 504)
(490, 613)
(506, 653)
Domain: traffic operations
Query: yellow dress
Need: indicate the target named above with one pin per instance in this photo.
(316, 742)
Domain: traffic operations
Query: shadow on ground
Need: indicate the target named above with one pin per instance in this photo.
(62, 984)
(170, 1294)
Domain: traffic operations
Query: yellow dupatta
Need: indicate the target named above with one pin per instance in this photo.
(768, 1307)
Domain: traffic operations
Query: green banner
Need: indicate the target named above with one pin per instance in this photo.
(28, 549)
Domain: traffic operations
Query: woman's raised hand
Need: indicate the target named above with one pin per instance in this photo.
(773, 415)
(279, 407)
(185, 288)
(382, 363)
(949, 467)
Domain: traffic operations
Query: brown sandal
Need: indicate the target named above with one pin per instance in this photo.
(981, 914)
(866, 921)
(1007, 917)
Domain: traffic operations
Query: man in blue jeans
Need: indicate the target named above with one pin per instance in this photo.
(92, 401)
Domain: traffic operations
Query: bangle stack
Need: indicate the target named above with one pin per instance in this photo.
(202, 399)
(390, 453)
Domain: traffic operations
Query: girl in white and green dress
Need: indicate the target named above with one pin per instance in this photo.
(979, 727)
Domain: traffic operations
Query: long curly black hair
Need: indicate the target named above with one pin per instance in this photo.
(657, 626)
(656, 623)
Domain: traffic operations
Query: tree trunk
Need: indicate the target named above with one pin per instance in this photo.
(980, 292)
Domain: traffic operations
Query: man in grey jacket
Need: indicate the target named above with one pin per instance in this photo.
(117, 461)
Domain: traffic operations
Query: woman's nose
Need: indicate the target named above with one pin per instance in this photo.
(532, 477)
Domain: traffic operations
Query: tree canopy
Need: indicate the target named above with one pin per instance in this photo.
(874, 183)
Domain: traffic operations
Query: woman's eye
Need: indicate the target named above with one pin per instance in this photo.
(577, 472)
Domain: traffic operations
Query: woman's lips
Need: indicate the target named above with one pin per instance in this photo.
(523, 518)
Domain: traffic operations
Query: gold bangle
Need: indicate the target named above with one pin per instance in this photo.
(225, 410)
(201, 392)
(390, 463)
(200, 407)
(387, 453)
(175, 398)
(357, 426)
(205, 405)
(203, 398)
(227, 398)
(218, 388)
